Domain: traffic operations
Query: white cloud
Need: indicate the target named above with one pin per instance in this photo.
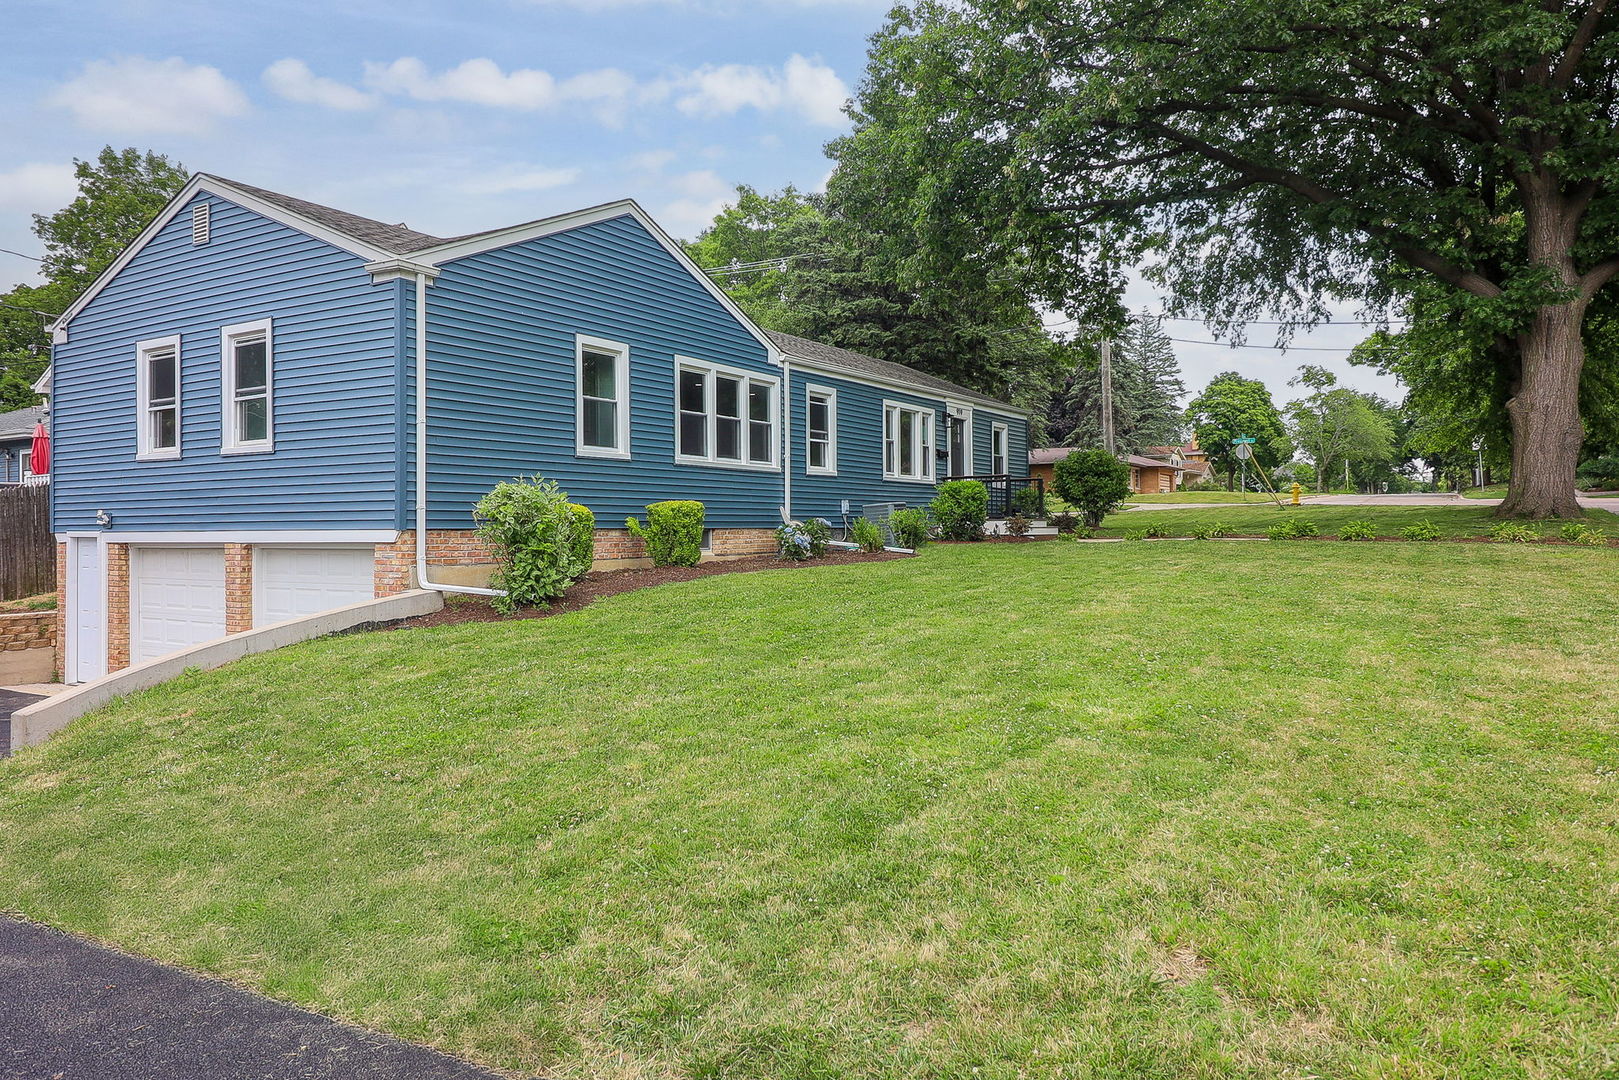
(517, 178)
(37, 187)
(652, 161)
(292, 79)
(476, 82)
(134, 95)
(805, 86)
(700, 196)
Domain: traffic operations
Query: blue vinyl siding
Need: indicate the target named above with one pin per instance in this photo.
(335, 398)
(859, 477)
(859, 449)
(501, 330)
(11, 459)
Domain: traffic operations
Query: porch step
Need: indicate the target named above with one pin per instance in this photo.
(997, 527)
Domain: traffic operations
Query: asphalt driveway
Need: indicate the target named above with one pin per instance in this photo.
(71, 1010)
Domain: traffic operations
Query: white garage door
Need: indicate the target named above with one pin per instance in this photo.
(289, 582)
(179, 599)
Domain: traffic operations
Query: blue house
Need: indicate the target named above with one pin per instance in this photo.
(17, 444)
(264, 402)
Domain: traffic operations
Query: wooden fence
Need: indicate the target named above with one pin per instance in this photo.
(27, 549)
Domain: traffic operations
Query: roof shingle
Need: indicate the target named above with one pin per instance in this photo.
(19, 423)
(817, 352)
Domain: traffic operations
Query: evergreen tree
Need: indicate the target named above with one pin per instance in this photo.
(1147, 389)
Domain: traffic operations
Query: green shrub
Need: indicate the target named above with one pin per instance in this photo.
(1594, 537)
(1083, 532)
(1422, 530)
(1202, 532)
(1135, 534)
(1093, 482)
(1029, 502)
(1599, 473)
(1294, 528)
(673, 532)
(1221, 529)
(1018, 525)
(1063, 522)
(867, 534)
(531, 528)
(792, 542)
(1357, 530)
(1513, 532)
(1578, 532)
(960, 508)
(819, 531)
(909, 528)
(584, 534)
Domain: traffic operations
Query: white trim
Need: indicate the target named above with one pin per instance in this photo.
(228, 441)
(42, 385)
(592, 215)
(143, 435)
(996, 427)
(957, 411)
(812, 390)
(213, 185)
(620, 353)
(199, 538)
(933, 393)
(711, 404)
(923, 448)
(392, 269)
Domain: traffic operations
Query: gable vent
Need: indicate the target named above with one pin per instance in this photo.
(199, 224)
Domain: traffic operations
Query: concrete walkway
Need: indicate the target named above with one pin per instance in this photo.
(70, 1010)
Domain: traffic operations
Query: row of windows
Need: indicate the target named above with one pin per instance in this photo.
(245, 379)
(725, 416)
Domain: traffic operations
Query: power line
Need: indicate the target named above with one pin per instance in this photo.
(20, 255)
(31, 311)
(1281, 348)
(1289, 322)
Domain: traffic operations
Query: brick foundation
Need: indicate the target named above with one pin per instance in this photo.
(117, 607)
(735, 543)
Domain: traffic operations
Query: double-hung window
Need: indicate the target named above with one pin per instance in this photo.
(246, 378)
(907, 442)
(821, 430)
(157, 398)
(997, 449)
(724, 416)
(602, 418)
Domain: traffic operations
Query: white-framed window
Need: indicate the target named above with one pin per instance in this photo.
(602, 413)
(724, 416)
(997, 449)
(247, 370)
(907, 442)
(157, 398)
(25, 469)
(821, 430)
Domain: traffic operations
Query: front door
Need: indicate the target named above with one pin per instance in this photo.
(959, 465)
(88, 625)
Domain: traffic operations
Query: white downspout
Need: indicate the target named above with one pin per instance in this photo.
(422, 581)
(786, 439)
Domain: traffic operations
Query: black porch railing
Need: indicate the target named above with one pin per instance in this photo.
(1009, 495)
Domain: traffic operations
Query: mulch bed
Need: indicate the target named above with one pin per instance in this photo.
(592, 587)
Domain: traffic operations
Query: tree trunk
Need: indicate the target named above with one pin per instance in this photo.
(1545, 405)
(1547, 432)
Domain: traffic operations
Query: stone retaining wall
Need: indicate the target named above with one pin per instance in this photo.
(27, 647)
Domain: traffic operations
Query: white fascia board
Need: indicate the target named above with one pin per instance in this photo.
(42, 385)
(533, 230)
(850, 375)
(213, 186)
(408, 269)
(255, 536)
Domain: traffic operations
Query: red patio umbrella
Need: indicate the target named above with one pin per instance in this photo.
(39, 459)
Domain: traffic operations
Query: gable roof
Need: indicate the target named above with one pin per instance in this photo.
(395, 239)
(19, 423)
(831, 356)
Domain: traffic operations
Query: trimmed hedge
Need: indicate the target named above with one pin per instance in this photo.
(673, 532)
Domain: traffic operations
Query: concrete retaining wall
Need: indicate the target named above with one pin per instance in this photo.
(39, 721)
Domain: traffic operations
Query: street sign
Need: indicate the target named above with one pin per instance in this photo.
(1242, 450)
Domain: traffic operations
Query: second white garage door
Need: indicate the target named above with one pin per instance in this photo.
(289, 582)
(179, 599)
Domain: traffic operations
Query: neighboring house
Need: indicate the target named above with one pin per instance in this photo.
(1147, 475)
(236, 413)
(1191, 460)
(17, 444)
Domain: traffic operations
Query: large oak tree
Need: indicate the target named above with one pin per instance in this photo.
(1273, 156)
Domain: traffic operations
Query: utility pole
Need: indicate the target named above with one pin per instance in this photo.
(1107, 395)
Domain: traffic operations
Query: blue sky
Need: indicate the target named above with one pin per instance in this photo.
(459, 115)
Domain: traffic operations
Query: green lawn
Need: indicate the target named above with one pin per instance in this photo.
(1389, 520)
(1203, 497)
(1490, 491)
(1137, 811)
